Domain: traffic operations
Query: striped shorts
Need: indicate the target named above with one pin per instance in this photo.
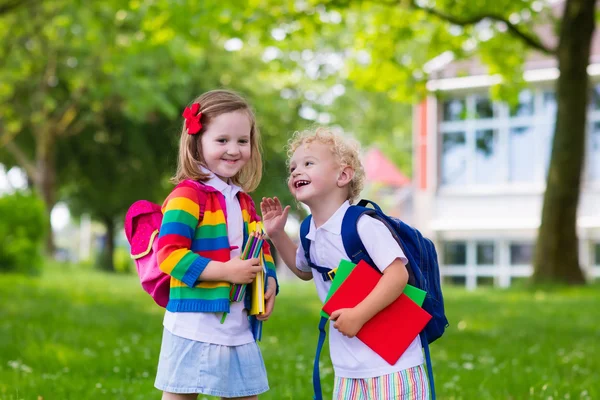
(408, 384)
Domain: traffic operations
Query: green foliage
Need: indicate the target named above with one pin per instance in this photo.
(74, 334)
(22, 232)
(388, 47)
(102, 86)
(114, 164)
(123, 261)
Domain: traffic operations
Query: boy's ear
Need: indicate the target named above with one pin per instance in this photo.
(345, 176)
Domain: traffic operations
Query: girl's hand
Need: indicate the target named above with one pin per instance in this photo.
(274, 215)
(348, 321)
(242, 271)
(269, 299)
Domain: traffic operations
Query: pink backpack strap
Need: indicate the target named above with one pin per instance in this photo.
(202, 191)
(251, 206)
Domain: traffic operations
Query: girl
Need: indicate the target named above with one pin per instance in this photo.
(208, 346)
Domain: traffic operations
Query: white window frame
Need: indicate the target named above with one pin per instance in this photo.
(502, 270)
(594, 263)
(593, 117)
(543, 129)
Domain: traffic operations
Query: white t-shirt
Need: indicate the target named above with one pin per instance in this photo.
(351, 358)
(205, 326)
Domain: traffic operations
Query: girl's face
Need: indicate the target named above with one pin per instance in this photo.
(226, 145)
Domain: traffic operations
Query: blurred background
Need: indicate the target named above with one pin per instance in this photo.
(479, 123)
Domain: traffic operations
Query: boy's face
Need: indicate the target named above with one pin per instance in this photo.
(314, 173)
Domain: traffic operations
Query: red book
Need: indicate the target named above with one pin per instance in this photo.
(392, 330)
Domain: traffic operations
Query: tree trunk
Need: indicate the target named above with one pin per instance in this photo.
(556, 252)
(107, 258)
(46, 180)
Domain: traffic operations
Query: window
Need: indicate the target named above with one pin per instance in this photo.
(549, 99)
(485, 281)
(485, 253)
(488, 143)
(455, 253)
(484, 108)
(521, 253)
(454, 158)
(546, 130)
(487, 158)
(455, 110)
(521, 166)
(596, 255)
(596, 97)
(455, 280)
(524, 107)
(594, 157)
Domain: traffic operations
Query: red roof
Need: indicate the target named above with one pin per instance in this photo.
(379, 169)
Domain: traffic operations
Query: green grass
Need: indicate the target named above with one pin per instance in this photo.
(75, 334)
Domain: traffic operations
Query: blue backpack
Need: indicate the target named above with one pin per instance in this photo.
(423, 271)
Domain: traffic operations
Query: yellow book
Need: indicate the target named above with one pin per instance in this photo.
(258, 294)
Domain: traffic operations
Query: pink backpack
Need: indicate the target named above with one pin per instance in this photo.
(142, 224)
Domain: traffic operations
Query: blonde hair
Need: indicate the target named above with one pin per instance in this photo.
(345, 150)
(213, 104)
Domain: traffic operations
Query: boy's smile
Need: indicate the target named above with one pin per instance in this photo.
(300, 183)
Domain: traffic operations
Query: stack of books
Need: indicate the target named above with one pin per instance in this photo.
(393, 329)
(253, 248)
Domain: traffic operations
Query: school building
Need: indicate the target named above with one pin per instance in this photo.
(480, 169)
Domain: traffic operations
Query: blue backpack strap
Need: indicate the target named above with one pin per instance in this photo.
(425, 344)
(304, 229)
(356, 251)
(316, 376)
(350, 238)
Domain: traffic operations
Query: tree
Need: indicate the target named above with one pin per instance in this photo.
(556, 253)
(119, 160)
(104, 171)
(392, 42)
(58, 68)
(11, 5)
(64, 63)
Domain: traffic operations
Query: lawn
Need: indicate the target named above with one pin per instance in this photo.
(76, 334)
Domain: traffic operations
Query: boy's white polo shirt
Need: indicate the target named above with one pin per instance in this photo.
(351, 358)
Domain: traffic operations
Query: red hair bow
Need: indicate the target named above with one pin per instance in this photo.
(192, 121)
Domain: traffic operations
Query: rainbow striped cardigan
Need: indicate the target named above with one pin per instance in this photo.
(187, 242)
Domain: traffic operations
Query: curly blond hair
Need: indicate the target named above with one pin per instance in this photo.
(345, 150)
(213, 104)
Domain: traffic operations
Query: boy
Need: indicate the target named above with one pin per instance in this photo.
(326, 175)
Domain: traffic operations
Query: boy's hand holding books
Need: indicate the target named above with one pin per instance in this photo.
(348, 321)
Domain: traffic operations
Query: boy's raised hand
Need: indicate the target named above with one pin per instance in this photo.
(274, 215)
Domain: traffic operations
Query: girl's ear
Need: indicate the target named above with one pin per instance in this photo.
(345, 176)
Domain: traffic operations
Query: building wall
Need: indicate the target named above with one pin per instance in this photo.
(480, 170)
